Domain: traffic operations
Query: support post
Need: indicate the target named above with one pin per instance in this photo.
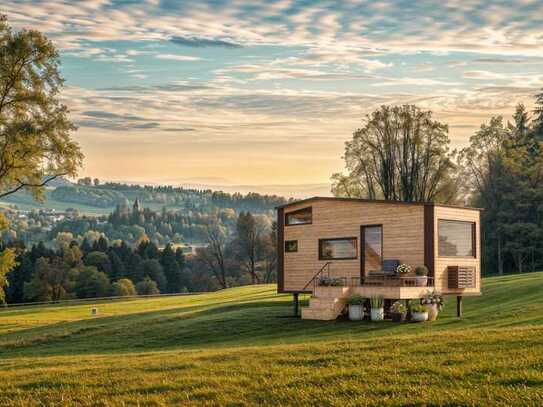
(296, 304)
(459, 306)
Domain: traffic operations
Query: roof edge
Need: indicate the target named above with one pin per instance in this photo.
(381, 201)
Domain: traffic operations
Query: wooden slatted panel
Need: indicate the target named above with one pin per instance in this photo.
(461, 277)
(403, 236)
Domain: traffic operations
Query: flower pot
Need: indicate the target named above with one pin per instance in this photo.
(432, 312)
(419, 316)
(398, 316)
(421, 281)
(377, 314)
(356, 312)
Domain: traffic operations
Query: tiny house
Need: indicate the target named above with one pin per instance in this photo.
(334, 247)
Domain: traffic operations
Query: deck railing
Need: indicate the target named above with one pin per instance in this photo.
(375, 281)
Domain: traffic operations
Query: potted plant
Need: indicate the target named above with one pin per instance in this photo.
(325, 281)
(419, 313)
(421, 279)
(398, 310)
(356, 307)
(403, 269)
(377, 311)
(434, 302)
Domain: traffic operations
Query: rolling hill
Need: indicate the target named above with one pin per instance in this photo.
(233, 347)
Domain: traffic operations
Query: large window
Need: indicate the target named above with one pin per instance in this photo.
(338, 249)
(456, 238)
(373, 247)
(300, 217)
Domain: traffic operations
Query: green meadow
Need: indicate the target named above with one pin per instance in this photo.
(235, 348)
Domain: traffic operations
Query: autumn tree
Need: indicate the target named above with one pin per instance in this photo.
(35, 142)
(399, 154)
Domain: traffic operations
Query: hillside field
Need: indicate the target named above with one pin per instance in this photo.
(233, 348)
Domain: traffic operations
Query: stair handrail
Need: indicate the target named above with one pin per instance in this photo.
(326, 266)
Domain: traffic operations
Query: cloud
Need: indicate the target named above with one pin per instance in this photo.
(174, 57)
(203, 42)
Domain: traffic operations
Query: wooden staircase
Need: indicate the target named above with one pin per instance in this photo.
(326, 303)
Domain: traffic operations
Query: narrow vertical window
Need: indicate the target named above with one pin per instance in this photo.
(373, 247)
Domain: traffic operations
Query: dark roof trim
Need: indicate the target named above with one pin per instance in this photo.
(381, 201)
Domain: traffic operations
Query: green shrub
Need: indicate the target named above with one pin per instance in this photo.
(398, 308)
(419, 308)
(421, 271)
(356, 299)
(377, 302)
(123, 287)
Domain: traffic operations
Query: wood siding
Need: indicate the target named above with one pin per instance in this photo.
(441, 263)
(403, 237)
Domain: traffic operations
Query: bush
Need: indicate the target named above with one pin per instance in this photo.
(147, 287)
(419, 308)
(356, 299)
(123, 287)
(421, 271)
(398, 308)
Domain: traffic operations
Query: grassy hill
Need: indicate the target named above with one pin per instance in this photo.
(233, 348)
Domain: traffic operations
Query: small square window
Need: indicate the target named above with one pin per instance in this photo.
(291, 246)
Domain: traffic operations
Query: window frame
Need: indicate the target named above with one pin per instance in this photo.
(310, 208)
(473, 238)
(363, 245)
(321, 242)
(291, 241)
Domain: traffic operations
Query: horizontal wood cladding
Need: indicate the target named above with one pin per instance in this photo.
(403, 236)
(461, 277)
(442, 263)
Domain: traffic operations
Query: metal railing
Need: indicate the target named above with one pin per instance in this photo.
(319, 274)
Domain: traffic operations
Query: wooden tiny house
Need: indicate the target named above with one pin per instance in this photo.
(358, 244)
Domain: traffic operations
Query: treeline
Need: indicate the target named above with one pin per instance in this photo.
(95, 270)
(98, 267)
(503, 167)
(109, 194)
(132, 224)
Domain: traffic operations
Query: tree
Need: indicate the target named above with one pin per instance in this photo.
(7, 262)
(248, 243)
(92, 283)
(100, 260)
(147, 287)
(538, 111)
(400, 154)
(153, 270)
(172, 270)
(123, 287)
(213, 255)
(35, 143)
(269, 252)
(52, 280)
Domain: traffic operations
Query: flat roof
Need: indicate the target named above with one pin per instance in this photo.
(381, 201)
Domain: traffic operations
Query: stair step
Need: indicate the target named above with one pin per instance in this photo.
(322, 314)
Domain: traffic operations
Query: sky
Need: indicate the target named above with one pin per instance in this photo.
(266, 93)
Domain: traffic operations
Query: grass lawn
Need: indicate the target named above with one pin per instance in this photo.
(233, 348)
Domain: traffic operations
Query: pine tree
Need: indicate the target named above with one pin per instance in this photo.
(538, 111)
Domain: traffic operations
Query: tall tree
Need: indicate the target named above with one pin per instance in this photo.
(35, 143)
(538, 111)
(249, 243)
(400, 154)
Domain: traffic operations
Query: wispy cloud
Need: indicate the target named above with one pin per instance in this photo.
(203, 42)
(175, 57)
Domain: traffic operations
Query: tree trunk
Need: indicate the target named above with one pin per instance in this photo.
(500, 257)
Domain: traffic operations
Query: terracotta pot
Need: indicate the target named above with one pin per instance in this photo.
(421, 281)
(398, 316)
(356, 312)
(419, 316)
(377, 314)
(433, 311)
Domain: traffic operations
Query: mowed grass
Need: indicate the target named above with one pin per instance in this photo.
(234, 347)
